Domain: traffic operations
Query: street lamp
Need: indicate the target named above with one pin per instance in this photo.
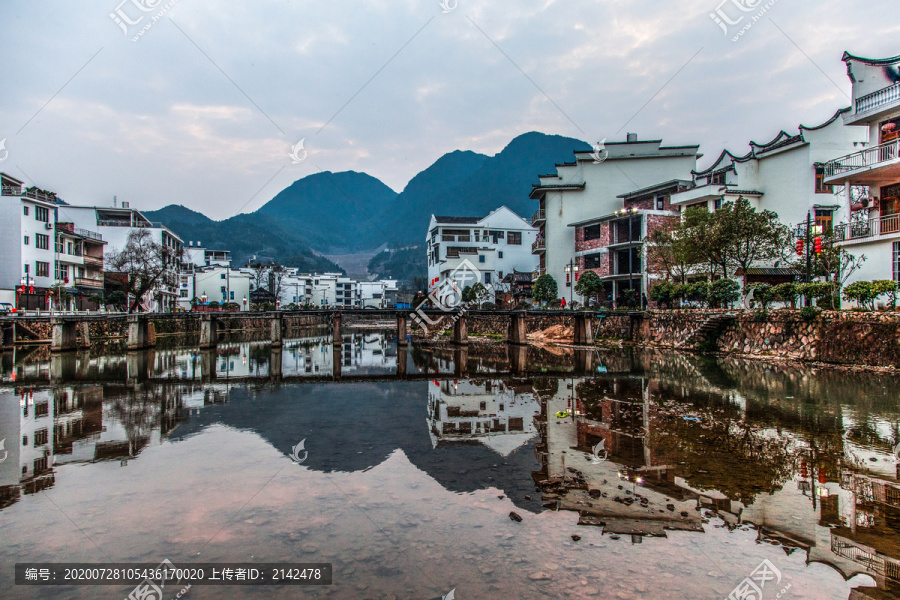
(571, 277)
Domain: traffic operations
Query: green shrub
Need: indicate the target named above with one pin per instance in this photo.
(761, 315)
(723, 292)
(808, 313)
(545, 289)
(863, 293)
(886, 287)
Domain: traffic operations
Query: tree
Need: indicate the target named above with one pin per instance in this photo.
(673, 251)
(664, 293)
(708, 234)
(545, 289)
(144, 263)
(259, 275)
(786, 292)
(750, 236)
(475, 293)
(589, 285)
(836, 264)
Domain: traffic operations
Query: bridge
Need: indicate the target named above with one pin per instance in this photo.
(71, 332)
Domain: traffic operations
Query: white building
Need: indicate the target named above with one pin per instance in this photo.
(784, 175)
(870, 177)
(115, 224)
(27, 257)
(591, 186)
(496, 245)
(217, 283)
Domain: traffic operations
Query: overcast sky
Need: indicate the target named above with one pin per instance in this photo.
(204, 108)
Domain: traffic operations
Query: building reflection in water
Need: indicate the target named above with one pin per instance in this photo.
(648, 444)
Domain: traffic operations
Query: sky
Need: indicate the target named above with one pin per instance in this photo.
(161, 102)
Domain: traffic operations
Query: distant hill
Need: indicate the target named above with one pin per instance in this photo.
(349, 212)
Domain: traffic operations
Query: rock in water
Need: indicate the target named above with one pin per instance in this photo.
(515, 517)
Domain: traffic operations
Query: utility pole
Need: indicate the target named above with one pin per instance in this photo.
(808, 256)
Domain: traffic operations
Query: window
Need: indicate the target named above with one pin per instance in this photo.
(717, 204)
(487, 278)
(824, 219)
(821, 188)
(896, 261)
(26, 240)
(183, 293)
(481, 258)
(592, 232)
(593, 261)
(40, 437)
(41, 241)
(232, 296)
(41, 410)
(223, 289)
(890, 130)
(222, 276)
(42, 269)
(62, 272)
(660, 203)
(514, 238)
(25, 210)
(626, 264)
(41, 213)
(70, 248)
(499, 255)
(718, 178)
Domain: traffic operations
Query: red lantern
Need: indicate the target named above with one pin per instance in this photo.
(817, 244)
(799, 247)
(576, 276)
(31, 289)
(567, 278)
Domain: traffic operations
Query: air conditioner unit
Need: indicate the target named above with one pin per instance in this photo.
(48, 225)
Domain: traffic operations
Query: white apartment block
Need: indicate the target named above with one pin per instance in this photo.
(114, 224)
(870, 177)
(594, 185)
(496, 245)
(785, 175)
(27, 218)
(216, 283)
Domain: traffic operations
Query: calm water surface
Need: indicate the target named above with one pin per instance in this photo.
(636, 474)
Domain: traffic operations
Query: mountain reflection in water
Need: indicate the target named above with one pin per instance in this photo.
(415, 460)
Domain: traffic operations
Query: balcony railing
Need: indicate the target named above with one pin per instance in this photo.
(878, 99)
(456, 238)
(866, 158)
(538, 245)
(33, 194)
(89, 283)
(870, 228)
(538, 217)
(93, 260)
(537, 273)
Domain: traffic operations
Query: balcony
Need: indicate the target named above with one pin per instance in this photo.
(869, 229)
(538, 246)
(877, 100)
(535, 274)
(84, 282)
(94, 261)
(538, 217)
(34, 194)
(456, 238)
(866, 160)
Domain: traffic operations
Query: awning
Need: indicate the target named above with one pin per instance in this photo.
(770, 271)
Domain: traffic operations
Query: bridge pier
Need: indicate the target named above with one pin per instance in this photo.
(63, 336)
(336, 338)
(208, 365)
(337, 362)
(461, 362)
(584, 362)
(584, 334)
(209, 331)
(275, 361)
(517, 332)
(401, 329)
(137, 367)
(401, 364)
(63, 367)
(138, 332)
(85, 329)
(276, 330)
(460, 335)
(518, 359)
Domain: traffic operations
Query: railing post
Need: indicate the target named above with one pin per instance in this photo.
(583, 331)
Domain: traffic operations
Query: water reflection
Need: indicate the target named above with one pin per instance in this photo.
(634, 444)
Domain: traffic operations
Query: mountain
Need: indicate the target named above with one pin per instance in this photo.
(336, 213)
(349, 212)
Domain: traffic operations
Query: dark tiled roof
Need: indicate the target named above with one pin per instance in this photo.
(768, 271)
(468, 220)
(871, 61)
(748, 192)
